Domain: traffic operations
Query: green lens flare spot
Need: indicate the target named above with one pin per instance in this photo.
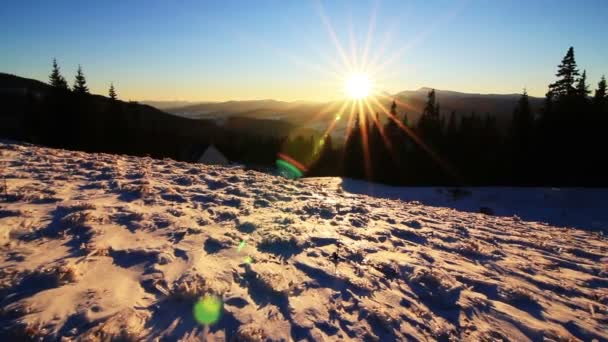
(241, 246)
(208, 309)
(287, 170)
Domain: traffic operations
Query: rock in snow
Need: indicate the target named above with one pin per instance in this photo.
(103, 247)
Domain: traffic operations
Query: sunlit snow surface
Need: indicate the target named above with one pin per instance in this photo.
(97, 246)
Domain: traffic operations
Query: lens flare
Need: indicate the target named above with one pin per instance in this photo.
(208, 310)
(241, 246)
(287, 170)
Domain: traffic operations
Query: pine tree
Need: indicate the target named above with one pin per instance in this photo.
(566, 74)
(112, 92)
(394, 109)
(599, 98)
(391, 128)
(582, 89)
(353, 151)
(522, 116)
(430, 107)
(80, 83)
(405, 121)
(430, 123)
(56, 79)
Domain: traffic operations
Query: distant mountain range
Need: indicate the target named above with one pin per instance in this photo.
(274, 118)
(318, 115)
(410, 101)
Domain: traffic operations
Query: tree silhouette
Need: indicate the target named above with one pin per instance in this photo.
(430, 124)
(353, 150)
(80, 82)
(582, 89)
(599, 98)
(56, 79)
(112, 92)
(567, 74)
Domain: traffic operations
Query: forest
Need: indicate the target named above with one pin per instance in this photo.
(562, 144)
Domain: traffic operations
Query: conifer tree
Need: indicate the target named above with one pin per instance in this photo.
(112, 92)
(80, 82)
(522, 116)
(582, 89)
(405, 121)
(353, 151)
(430, 107)
(430, 123)
(599, 98)
(391, 128)
(566, 74)
(56, 79)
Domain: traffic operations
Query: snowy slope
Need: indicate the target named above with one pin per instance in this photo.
(564, 207)
(99, 247)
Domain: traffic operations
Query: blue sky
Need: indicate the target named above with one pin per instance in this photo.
(221, 50)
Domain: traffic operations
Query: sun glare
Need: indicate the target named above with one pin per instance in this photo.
(357, 86)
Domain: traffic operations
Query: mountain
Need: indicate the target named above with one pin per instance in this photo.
(499, 105)
(33, 111)
(411, 102)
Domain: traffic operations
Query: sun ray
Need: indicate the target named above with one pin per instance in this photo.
(434, 26)
(364, 140)
(333, 36)
(349, 125)
(327, 108)
(353, 46)
(378, 124)
(334, 122)
(442, 163)
(399, 103)
(368, 39)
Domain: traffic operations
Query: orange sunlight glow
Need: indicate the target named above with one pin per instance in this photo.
(360, 72)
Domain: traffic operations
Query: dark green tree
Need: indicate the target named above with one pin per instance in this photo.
(582, 89)
(112, 92)
(522, 116)
(353, 151)
(567, 74)
(599, 98)
(56, 79)
(430, 122)
(80, 82)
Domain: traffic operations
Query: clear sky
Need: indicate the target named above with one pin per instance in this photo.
(219, 50)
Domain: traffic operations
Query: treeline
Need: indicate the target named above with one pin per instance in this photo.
(564, 144)
(61, 116)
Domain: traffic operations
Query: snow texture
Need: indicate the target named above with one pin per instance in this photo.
(106, 247)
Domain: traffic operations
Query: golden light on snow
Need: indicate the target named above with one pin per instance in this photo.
(358, 86)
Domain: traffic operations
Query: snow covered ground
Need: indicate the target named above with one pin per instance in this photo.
(100, 247)
(563, 207)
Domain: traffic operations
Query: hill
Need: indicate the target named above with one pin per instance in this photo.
(410, 102)
(107, 247)
(33, 111)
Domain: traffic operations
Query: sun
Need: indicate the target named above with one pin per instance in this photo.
(358, 86)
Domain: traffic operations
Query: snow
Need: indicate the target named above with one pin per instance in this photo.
(98, 246)
(564, 207)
